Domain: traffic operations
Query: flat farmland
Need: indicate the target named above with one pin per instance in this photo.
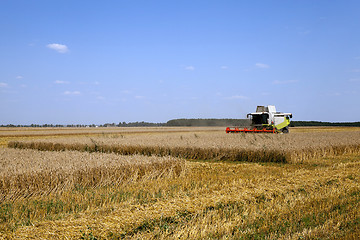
(179, 183)
(209, 144)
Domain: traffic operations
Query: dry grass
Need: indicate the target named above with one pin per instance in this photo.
(25, 173)
(313, 198)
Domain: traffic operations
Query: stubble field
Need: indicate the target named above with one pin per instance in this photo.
(179, 183)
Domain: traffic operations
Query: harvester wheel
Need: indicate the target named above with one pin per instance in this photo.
(285, 129)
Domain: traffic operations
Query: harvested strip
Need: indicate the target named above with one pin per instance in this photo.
(25, 173)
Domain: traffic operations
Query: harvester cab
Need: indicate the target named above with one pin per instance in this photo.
(266, 120)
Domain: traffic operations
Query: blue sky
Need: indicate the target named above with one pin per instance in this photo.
(68, 62)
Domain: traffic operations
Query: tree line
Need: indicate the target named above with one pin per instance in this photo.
(323, 124)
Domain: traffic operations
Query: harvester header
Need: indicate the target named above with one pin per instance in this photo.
(265, 120)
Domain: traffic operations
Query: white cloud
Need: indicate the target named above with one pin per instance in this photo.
(334, 94)
(61, 82)
(306, 32)
(3, 84)
(262, 65)
(190, 68)
(355, 70)
(139, 97)
(60, 48)
(72, 93)
(238, 97)
(224, 67)
(23, 86)
(354, 79)
(285, 82)
(19, 77)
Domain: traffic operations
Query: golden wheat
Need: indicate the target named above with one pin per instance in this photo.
(219, 200)
(315, 197)
(28, 131)
(297, 147)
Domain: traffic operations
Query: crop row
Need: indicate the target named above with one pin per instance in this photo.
(193, 153)
(197, 153)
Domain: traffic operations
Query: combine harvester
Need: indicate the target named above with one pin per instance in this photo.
(265, 120)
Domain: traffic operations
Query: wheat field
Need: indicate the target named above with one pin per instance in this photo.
(82, 186)
(210, 145)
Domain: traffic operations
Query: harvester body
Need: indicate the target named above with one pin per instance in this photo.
(266, 120)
